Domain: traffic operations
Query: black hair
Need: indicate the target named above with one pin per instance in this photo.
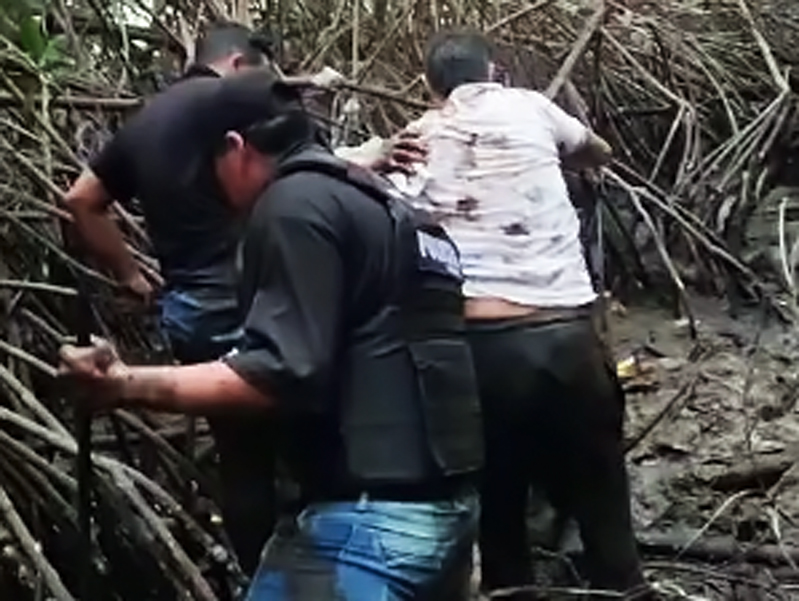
(283, 134)
(290, 128)
(454, 58)
(222, 38)
(269, 114)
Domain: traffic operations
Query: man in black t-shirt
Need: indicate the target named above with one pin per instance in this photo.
(195, 235)
(353, 340)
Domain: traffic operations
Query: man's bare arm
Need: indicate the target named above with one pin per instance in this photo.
(594, 153)
(200, 389)
(191, 389)
(89, 203)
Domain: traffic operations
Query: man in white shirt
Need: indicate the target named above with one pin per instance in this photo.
(553, 409)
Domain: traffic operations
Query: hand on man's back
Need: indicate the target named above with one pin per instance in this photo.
(402, 151)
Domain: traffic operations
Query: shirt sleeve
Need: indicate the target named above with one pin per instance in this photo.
(569, 132)
(368, 152)
(113, 166)
(293, 272)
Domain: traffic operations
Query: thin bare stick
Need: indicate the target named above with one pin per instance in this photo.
(591, 27)
(522, 12)
(32, 360)
(17, 526)
(780, 81)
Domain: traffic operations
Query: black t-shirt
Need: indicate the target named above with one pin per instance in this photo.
(162, 156)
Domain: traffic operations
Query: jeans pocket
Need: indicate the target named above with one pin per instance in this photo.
(331, 533)
(179, 314)
(363, 549)
(410, 553)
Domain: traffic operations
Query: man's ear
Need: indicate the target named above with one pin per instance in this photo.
(492, 71)
(234, 141)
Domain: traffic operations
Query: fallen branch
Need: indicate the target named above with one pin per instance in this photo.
(761, 472)
(671, 566)
(682, 396)
(715, 549)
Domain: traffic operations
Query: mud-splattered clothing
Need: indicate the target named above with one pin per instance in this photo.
(493, 176)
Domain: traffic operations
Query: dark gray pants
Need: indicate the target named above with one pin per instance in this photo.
(245, 446)
(552, 412)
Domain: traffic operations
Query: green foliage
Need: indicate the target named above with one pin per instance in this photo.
(31, 39)
(22, 27)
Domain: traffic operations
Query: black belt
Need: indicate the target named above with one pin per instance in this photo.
(440, 490)
(540, 317)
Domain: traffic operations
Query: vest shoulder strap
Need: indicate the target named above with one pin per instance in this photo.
(413, 228)
(399, 206)
(346, 172)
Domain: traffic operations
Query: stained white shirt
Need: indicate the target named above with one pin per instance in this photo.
(494, 181)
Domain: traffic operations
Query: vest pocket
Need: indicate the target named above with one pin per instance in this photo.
(449, 401)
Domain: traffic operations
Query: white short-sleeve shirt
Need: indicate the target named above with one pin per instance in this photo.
(493, 179)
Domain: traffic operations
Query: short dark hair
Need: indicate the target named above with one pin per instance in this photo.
(454, 58)
(222, 38)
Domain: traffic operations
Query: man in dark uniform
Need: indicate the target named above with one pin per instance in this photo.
(354, 341)
(195, 236)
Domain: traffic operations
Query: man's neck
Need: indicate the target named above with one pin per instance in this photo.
(301, 150)
(200, 70)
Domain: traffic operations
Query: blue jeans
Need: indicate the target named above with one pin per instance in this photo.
(366, 550)
(201, 325)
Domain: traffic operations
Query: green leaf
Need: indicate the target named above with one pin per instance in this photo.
(54, 55)
(31, 39)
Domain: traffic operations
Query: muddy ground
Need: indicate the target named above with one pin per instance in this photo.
(715, 478)
(713, 426)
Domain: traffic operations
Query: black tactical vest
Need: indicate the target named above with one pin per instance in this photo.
(411, 415)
